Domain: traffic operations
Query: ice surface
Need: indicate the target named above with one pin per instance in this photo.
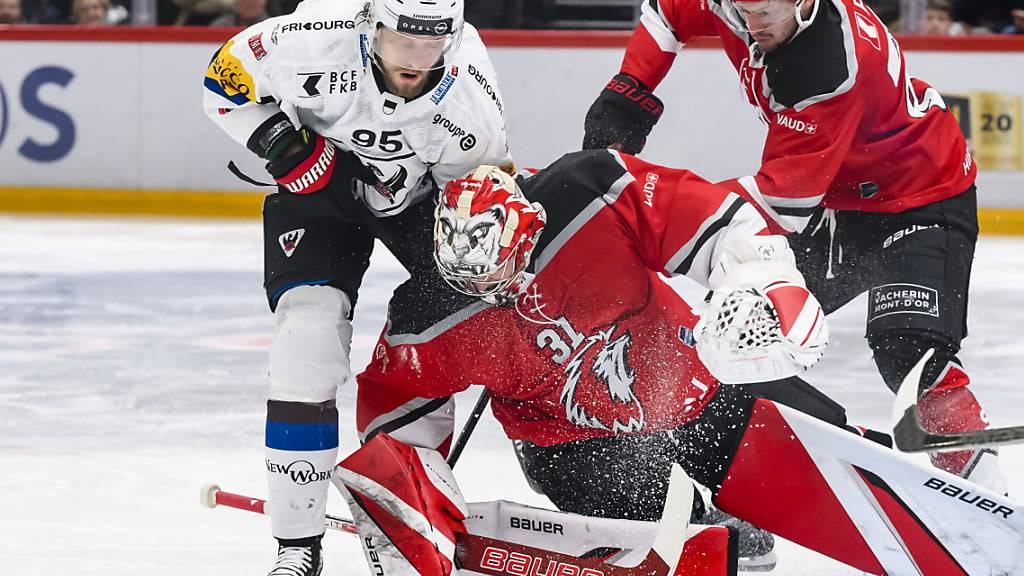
(133, 370)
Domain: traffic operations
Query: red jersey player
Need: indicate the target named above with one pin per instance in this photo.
(592, 355)
(597, 363)
(863, 165)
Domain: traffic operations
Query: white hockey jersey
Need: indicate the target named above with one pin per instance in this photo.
(312, 68)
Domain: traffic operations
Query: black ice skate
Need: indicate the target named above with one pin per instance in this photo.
(756, 546)
(298, 557)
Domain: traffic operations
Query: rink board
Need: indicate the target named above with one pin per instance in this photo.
(110, 121)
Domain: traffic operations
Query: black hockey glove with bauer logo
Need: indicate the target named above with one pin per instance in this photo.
(624, 113)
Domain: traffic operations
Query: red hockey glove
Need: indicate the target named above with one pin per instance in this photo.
(624, 113)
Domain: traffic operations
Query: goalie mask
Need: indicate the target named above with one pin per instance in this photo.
(758, 16)
(485, 230)
(416, 34)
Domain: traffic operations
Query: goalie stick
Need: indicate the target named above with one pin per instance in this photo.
(476, 553)
(909, 436)
(468, 427)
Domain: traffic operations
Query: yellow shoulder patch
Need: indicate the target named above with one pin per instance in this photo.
(230, 75)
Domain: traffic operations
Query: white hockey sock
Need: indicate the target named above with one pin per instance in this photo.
(302, 448)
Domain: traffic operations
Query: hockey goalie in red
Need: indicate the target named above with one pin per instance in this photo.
(583, 345)
(863, 166)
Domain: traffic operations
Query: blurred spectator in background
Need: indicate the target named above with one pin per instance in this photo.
(1017, 27)
(494, 13)
(938, 20)
(200, 12)
(984, 16)
(10, 12)
(42, 12)
(90, 12)
(887, 10)
(245, 14)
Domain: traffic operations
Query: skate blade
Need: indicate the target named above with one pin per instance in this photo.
(762, 563)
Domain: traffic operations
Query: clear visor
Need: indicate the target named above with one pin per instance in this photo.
(415, 51)
(754, 17)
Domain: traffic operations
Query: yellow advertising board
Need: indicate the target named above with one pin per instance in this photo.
(992, 123)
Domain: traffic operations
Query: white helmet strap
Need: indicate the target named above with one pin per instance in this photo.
(802, 24)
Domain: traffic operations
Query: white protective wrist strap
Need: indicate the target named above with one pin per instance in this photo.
(755, 261)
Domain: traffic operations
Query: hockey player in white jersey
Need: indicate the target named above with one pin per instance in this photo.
(362, 109)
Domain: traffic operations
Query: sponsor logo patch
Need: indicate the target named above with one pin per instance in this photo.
(536, 525)
(650, 183)
(363, 52)
(445, 85)
(488, 89)
(902, 299)
(301, 472)
(466, 139)
(968, 497)
(230, 77)
(796, 125)
(901, 234)
(414, 25)
(317, 26)
(508, 562)
(256, 45)
(315, 84)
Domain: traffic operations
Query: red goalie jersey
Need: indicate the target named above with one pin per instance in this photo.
(847, 126)
(597, 344)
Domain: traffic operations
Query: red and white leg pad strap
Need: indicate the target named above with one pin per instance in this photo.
(406, 504)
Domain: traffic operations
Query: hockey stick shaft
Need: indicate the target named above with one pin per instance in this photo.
(467, 429)
(910, 436)
(212, 496)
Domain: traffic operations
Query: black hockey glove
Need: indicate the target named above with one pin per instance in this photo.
(624, 113)
(303, 162)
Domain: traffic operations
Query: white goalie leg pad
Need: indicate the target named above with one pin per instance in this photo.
(865, 505)
(407, 505)
(761, 323)
(617, 542)
(309, 356)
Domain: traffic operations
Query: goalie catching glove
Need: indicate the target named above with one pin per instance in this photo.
(761, 323)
